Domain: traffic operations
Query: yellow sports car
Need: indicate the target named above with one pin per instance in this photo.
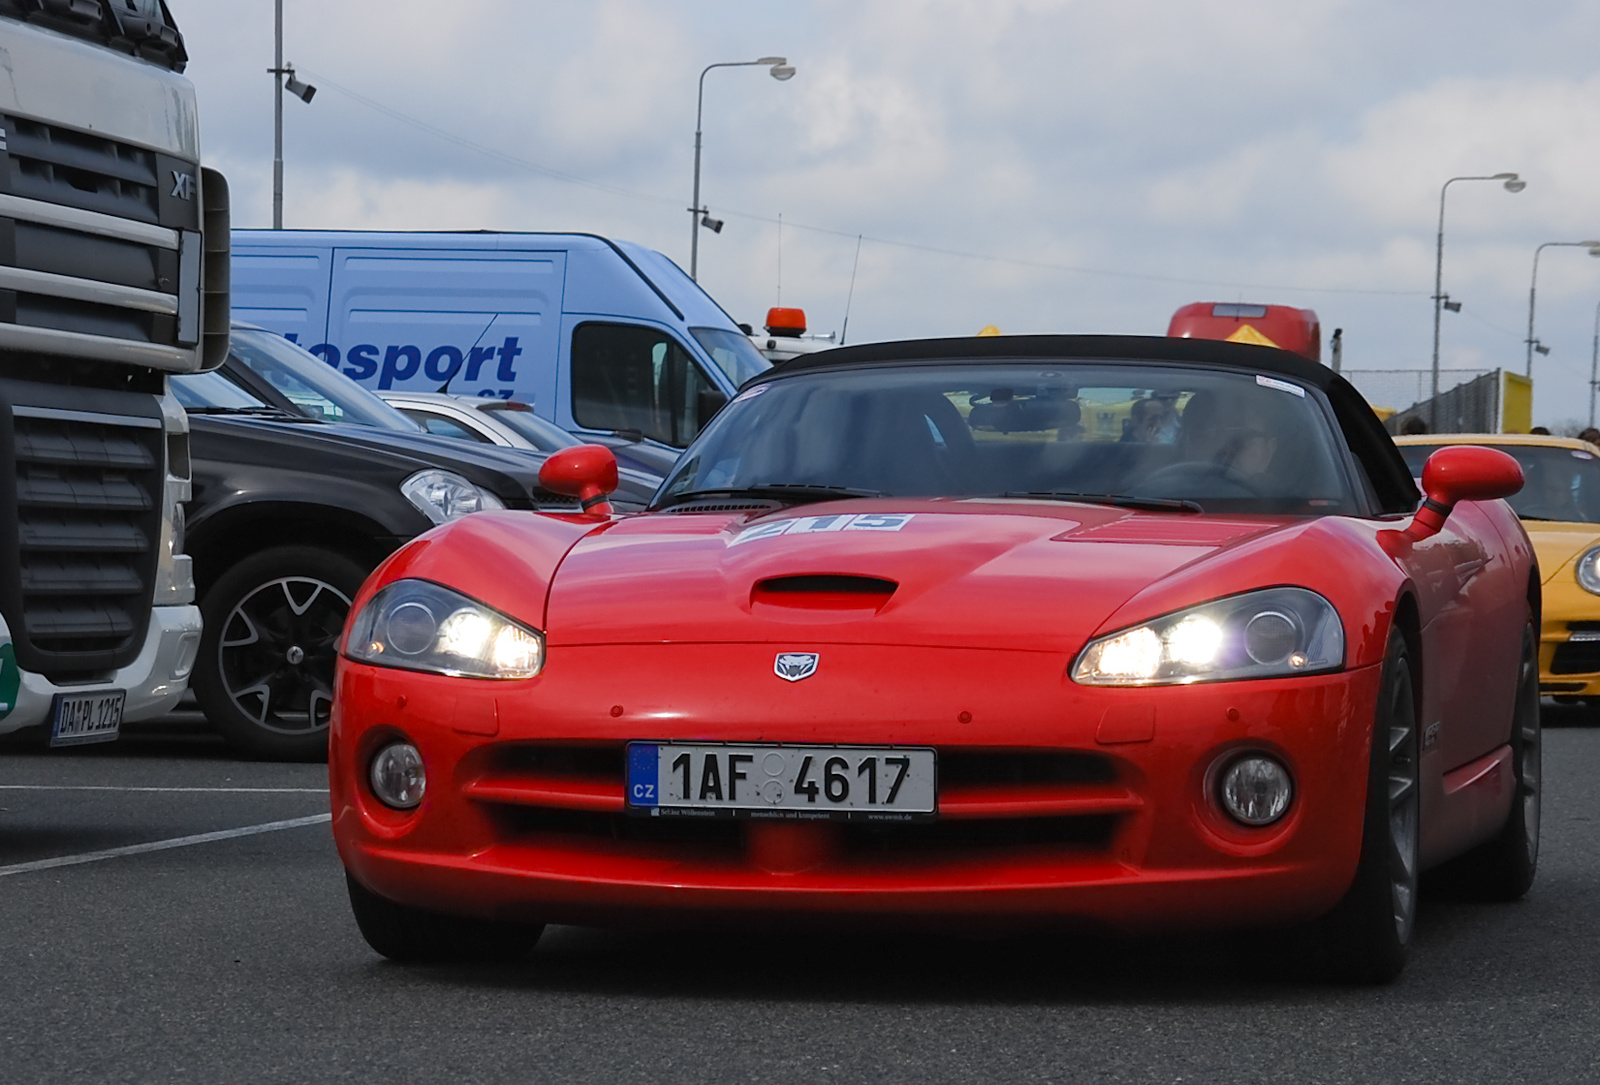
(1560, 508)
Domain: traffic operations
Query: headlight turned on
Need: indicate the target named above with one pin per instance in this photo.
(1271, 633)
(416, 625)
(443, 496)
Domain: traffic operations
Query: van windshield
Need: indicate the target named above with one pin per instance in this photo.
(734, 354)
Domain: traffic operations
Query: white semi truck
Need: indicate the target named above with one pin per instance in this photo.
(113, 274)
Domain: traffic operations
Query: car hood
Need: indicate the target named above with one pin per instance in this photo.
(1558, 544)
(1006, 575)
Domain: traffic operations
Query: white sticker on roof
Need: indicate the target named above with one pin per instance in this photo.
(811, 525)
(1282, 386)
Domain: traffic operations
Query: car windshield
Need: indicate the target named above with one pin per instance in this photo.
(1152, 434)
(544, 435)
(311, 384)
(1559, 483)
(734, 354)
(212, 392)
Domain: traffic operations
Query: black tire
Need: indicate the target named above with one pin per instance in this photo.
(414, 936)
(1503, 868)
(1367, 937)
(264, 677)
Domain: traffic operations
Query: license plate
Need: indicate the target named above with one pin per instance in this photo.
(848, 782)
(79, 718)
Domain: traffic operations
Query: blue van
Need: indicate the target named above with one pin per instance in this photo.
(605, 338)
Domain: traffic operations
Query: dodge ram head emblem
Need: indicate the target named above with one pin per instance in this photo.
(793, 666)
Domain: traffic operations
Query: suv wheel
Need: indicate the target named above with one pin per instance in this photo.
(265, 672)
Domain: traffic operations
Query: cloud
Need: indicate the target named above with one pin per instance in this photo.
(1242, 142)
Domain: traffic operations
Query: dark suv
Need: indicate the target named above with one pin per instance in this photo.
(289, 515)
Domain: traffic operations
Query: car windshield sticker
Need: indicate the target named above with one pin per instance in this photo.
(811, 525)
(1282, 386)
(751, 393)
(1580, 454)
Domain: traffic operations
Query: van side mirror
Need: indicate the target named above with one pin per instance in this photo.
(587, 472)
(1462, 473)
(707, 404)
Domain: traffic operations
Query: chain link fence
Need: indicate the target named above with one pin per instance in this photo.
(1399, 390)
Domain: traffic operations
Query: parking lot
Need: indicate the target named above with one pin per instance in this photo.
(174, 914)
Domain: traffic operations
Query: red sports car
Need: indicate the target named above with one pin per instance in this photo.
(1146, 633)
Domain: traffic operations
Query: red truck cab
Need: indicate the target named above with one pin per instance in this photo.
(1265, 325)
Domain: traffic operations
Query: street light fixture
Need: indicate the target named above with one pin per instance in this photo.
(1512, 183)
(303, 91)
(1533, 285)
(781, 70)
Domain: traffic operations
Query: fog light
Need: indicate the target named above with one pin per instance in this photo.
(1256, 790)
(397, 776)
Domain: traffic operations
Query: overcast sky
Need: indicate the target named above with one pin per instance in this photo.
(1040, 165)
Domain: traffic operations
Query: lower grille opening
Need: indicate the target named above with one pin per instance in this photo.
(1582, 657)
(1012, 766)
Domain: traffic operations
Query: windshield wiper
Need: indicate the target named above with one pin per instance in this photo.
(1121, 501)
(783, 491)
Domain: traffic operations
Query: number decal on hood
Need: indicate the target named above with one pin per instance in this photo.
(810, 525)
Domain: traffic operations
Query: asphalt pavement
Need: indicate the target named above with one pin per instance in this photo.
(171, 914)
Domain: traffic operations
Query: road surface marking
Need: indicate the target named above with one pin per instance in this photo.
(162, 845)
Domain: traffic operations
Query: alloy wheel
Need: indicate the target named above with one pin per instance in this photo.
(277, 650)
(1404, 813)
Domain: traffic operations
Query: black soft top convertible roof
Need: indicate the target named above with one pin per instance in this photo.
(1396, 492)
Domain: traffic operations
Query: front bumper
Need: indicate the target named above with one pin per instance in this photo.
(1057, 802)
(1569, 645)
(154, 681)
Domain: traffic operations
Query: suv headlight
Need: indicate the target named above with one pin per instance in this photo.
(416, 625)
(1260, 634)
(443, 496)
(1588, 570)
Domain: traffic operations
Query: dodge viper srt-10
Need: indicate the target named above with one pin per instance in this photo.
(1144, 633)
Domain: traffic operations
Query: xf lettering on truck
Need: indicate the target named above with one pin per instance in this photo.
(392, 364)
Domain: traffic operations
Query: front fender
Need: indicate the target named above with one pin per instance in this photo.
(504, 559)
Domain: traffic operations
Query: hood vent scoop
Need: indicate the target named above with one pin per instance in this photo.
(822, 594)
(724, 506)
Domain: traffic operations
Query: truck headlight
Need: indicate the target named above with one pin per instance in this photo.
(417, 625)
(1588, 570)
(443, 496)
(1260, 634)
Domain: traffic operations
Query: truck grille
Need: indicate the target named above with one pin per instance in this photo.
(84, 491)
(100, 250)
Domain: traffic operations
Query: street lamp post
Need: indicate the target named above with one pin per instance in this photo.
(1594, 365)
(780, 69)
(1533, 286)
(1513, 184)
(300, 90)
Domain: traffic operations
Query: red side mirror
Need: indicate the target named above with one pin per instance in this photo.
(1462, 473)
(587, 472)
